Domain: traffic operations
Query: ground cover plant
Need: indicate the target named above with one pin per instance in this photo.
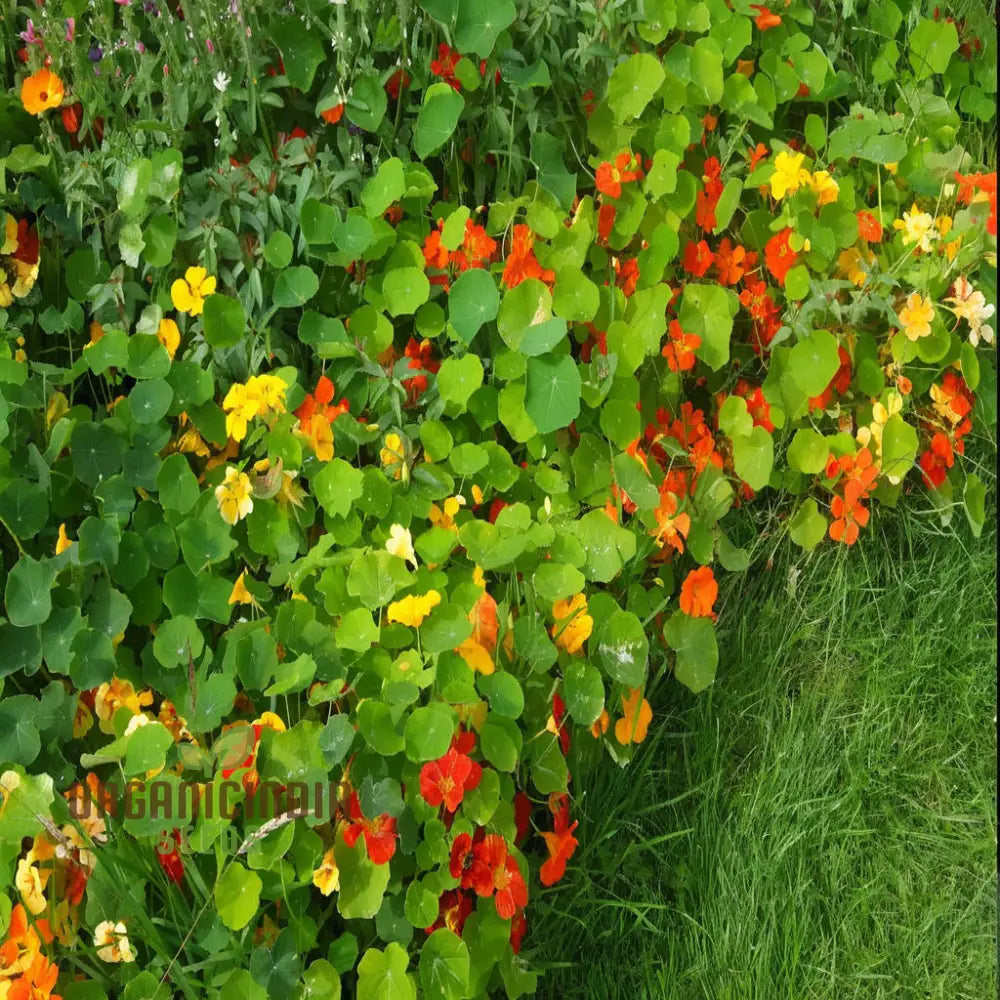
(385, 390)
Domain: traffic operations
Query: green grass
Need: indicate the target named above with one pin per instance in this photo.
(821, 823)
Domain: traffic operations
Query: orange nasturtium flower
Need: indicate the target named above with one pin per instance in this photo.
(637, 716)
(41, 91)
(573, 625)
(333, 115)
(188, 294)
(699, 592)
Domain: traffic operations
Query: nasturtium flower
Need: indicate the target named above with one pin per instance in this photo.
(849, 266)
(22, 943)
(699, 592)
(116, 694)
(240, 594)
(188, 294)
(697, 258)
(918, 227)
(413, 609)
(63, 542)
(970, 304)
(849, 517)
(326, 878)
(170, 859)
(41, 91)
(83, 719)
(400, 544)
(333, 115)
(168, 334)
(766, 18)
(444, 516)
(447, 779)
(916, 316)
(477, 657)
(572, 623)
(679, 349)
(7, 279)
(779, 255)
(318, 436)
(789, 174)
(234, 496)
(671, 527)
(379, 833)
(393, 456)
(37, 981)
(112, 943)
(600, 724)
(636, 717)
(560, 843)
(826, 189)
(30, 883)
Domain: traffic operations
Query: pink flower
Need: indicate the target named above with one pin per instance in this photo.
(70, 28)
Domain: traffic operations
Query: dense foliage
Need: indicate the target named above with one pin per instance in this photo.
(376, 381)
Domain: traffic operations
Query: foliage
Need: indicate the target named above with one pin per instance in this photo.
(374, 400)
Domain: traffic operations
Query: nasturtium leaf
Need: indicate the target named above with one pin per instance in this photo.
(459, 378)
(295, 287)
(552, 395)
(555, 581)
(633, 84)
(384, 188)
(28, 593)
(177, 640)
(151, 400)
(382, 975)
(367, 102)
(302, 51)
(814, 361)
(147, 357)
(899, 448)
(147, 748)
(362, 882)
(24, 506)
(932, 43)
(974, 501)
(444, 966)
(321, 982)
(549, 772)
(428, 732)
(338, 486)
(447, 627)
(576, 296)
(237, 895)
(708, 311)
(753, 457)
(622, 648)
(278, 250)
(807, 526)
(405, 290)
(480, 23)
(472, 301)
(436, 119)
(19, 739)
(97, 452)
(133, 189)
(583, 690)
(99, 542)
(693, 640)
(808, 451)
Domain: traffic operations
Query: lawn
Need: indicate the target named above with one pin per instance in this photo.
(821, 823)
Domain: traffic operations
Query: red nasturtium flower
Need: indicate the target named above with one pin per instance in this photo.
(869, 228)
(849, 517)
(444, 65)
(610, 176)
(333, 115)
(560, 843)
(447, 779)
(498, 870)
(937, 460)
(627, 275)
(758, 153)
(171, 861)
(454, 908)
(765, 19)
(730, 262)
(379, 833)
(399, 80)
(697, 259)
(605, 221)
(779, 255)
(319, 403)
(421, 355)
(522, 817)
(699, 592)
(521, 261)
(679, 349)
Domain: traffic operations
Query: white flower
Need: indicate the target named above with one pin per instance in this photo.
(221, 82)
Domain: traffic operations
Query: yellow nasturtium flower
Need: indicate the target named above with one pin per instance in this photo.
(918, 227)
(112, 943)
(188, 294)
(168, 334)
(573, 625)
(326, 878)
(392, 456)
(789, 174)
(827, 190)
(413, 609)
(916, 316)
(400, 544)
(234, 496)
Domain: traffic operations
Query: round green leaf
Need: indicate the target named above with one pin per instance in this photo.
(552, 396)
(472, 301)
(28, 594)
(237, 896)
(295, 287)
(405, 290)
(437, 119)
(693, 640)
(444, 966)
(623, 648)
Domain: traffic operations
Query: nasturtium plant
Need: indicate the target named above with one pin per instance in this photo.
(377, 391)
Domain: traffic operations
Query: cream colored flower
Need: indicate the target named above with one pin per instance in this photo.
(400, 544)
(234, 496)
(916, 316)
(112, 943)
(970, 304)
(918, 227)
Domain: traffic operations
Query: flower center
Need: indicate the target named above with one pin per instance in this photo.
(44, 95)
(446, 784)
(501, 878)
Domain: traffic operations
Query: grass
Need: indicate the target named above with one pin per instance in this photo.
(820, 825)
